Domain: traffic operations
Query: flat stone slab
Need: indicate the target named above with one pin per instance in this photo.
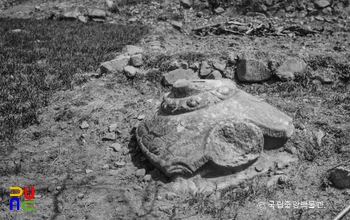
(207, 126)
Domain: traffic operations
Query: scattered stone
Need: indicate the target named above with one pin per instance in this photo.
(87, 171)
(96, 13)
(147, 178)
(282, 180)
(252, 71)
(319, 18)
(132, 50)
(229, 73)
(289, 67)
(109, 4)
(115, 65)
(136, 60)
(82, 18)
(214, 75)
(184, 65)
(174, 65)
(192, 188)
(340, 177)
(141, 117)
(278, 172)
(205, 69)
(119, 164)
(80, 195)
(319, 135)
(292, 150)
(259, 169)
(105, 167)
(272, 181)
(219, 66)
(71, 15)
(116, 147)
(219, 10)
(177, 25)
(130, 71)
(170, 195)
(140, 173)
(171, 77)
(321, 3)
(109, 137)
(186, 3)
(84, 125)
(113, 127)
(194, 66)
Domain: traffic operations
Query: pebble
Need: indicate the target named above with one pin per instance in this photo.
(84, 125)
(119, 164)
(141, 117)
(109, 137)
(147, 178)
(105, 167)
(88, 171)
(116, 147)
(140, 173)
(112, 127)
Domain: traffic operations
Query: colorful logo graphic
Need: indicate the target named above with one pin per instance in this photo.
(27, 204)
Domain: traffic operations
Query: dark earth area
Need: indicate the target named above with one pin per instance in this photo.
(77, 78)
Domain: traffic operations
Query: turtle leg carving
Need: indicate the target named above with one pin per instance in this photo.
(232, 146)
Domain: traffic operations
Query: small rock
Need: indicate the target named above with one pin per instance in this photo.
(87, 171)
(252, 71)
(229, 73)
(186, 3)
(147, 178)
(205, 69)
(136, 60)
(282, 180)
(192, 188)
(321, 3)
(170, 195)
(259, 169)
(214, 75)
(291, 150)
(71, 15)
(278, 172)
(119, 164)
(116, 147)
(194, 66)
(84, 125)
(113, 172)
(319, 18)
(219, 66)
(184, 65)
(130, 71)
(115, 65)
(96, 13)
(132, 50)
(112, 127)
(272, 181)
(141, 117)
(174, 65)
(80, 195)
(140, 173)
(109, 137)
(105, 167)
(319, 135)
(340, 177)
(219, 10)
(170, 78)
(177, 25)
(289, 67)
(82, 18)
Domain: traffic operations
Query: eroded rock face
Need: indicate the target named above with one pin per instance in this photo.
(211, 128)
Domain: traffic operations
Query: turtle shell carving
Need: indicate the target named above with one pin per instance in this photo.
(203, 122)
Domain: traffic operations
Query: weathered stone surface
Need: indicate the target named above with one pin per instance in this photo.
(116, 65)
(219, 66)
(96, 13)
(210, 127)
(252, 71)
(174, 65)
(171, 77)
(205, 69)
(82, 18)
(136, 60)
(132, 50)
(289, 67)
(176, 24)
(340, 177)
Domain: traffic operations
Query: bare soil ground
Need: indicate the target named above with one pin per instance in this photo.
(77, 175)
